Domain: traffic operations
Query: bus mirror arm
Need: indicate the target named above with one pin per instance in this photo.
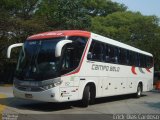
(59, 46)
(13, 46)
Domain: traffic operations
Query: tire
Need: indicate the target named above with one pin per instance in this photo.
(92, 96)
(86, 97)
(139, 91)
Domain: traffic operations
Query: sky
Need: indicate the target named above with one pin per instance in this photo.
(146, 7)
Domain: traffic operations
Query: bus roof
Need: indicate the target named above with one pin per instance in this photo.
(63, 33)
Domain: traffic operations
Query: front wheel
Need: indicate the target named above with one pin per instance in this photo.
(86, 97)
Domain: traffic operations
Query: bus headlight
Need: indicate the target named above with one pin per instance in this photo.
(57, 83)
(48, 87)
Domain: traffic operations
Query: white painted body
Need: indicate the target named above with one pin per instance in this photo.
(107, 82)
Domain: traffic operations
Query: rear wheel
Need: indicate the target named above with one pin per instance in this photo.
(139, 91)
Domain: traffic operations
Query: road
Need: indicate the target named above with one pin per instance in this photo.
(149, 103)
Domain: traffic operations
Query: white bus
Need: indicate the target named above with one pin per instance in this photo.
(71, 65)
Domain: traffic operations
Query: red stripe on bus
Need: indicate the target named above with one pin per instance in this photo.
(133, 70)
(62, 33)
(148, 70)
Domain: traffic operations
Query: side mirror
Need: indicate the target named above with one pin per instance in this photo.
(13, 46)
(89, 55)
(59, 46)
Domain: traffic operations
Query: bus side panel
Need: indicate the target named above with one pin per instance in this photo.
(69, 89)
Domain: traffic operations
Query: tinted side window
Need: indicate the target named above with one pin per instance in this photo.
(131, 58)
(113, 54)
(149, 63)
(116, 54)
(123, 56)
(136, 60)
(143, 61)
(96, 51)
(128, 57)
(106, 56)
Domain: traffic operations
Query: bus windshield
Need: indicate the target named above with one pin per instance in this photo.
(37, 59)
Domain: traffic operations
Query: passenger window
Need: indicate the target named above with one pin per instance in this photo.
(103, 52)
(149, 62)
(131, 58)
(116, 55)
(127, 57)
(123, 56)
(113, 54)
(136, 60)
(106, 58)
(96, 51)
(142, 61)
(145, 61)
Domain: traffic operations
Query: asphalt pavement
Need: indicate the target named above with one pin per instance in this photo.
(104, 108)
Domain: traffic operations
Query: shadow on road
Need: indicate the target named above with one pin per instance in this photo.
(34, 105)
(116, 98)
(48, 107)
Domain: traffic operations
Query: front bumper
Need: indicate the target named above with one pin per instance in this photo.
(50, 95)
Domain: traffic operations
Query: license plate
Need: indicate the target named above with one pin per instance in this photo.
(28, 95)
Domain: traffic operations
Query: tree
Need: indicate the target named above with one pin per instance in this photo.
(17, 21)
(62, 14)
(16, 16)
(22, 18)
(102, 7)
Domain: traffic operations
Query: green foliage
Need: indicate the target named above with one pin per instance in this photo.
(126, 26)
(102, 7)
(62, 14)
(21, 18)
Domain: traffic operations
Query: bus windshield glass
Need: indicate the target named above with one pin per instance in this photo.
(37, 59)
